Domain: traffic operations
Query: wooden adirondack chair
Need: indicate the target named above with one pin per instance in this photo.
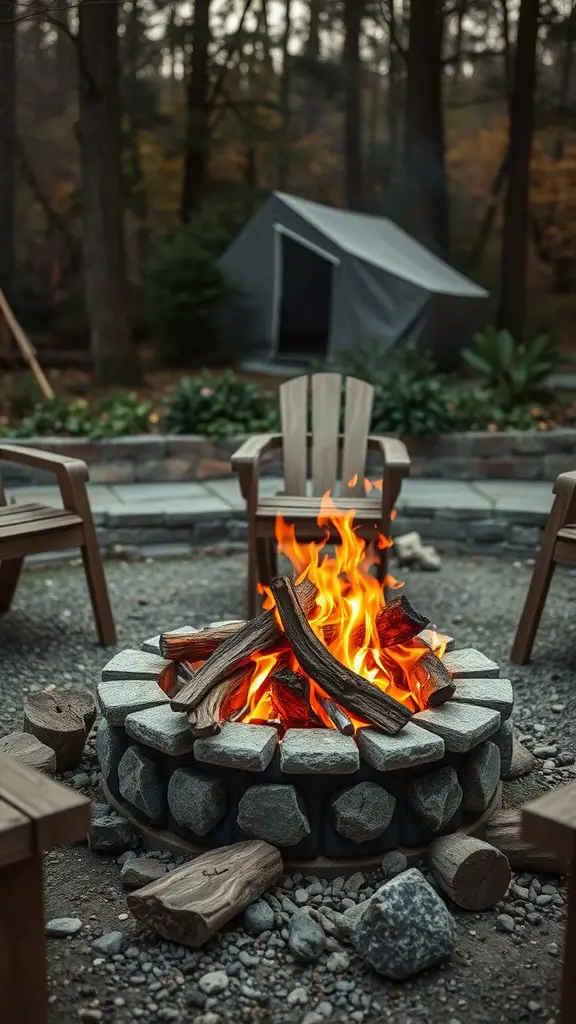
(558, 547)
(31, 528)
(327, 448)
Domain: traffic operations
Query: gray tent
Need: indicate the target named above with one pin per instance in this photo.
(317, 280)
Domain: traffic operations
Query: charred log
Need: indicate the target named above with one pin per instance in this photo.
(430, 682)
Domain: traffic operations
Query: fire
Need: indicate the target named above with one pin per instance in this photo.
(348, 600)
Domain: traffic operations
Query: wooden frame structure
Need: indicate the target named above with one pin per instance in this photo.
(36, 814)
(31, 528)
(333, 456)
(558, 547)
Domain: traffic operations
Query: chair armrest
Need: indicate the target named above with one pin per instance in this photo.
(69, 472)
(254, 448)
(394, 453)
(565, 483)
(550, 822)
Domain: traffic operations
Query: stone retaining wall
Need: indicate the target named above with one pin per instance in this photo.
(171, 459)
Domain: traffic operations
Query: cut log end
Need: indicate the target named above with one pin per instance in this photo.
(430, 682)
(474, 874)
(61, 719)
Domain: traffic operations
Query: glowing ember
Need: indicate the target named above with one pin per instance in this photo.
(348, 600)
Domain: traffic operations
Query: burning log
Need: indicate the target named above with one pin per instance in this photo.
(396, 623)
(206, 719)
(340, 683)
(199, 645)
(290, 697)
(338, 717)
(62, 720)
(298, 684)
(430, 682)
(474, 874)
(260, 634)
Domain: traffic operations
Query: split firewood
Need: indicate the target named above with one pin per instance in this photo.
(260, 634)
(290, 699)
(430, 682)
(199, 645)
(192, 903)
(29, 750)
(62, 720)
(337, 716)
(504, 831)
(474, 874)
(296, 683)
(396, 623)
(206, 719)
(340, 683)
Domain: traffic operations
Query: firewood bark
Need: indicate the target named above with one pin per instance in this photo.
(290, 698)
(260, 634)
(396, 623)
(504, 831)
(199, 645)
(192, 903)
(339, 682)
(62, 720)
(472, 873)
(29, 750)
(206, 719)
(430, 682)
(339, 718)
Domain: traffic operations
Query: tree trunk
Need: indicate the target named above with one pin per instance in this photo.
(198, 114)
(513, 268)
(113, 350)
(284, 101)
(427, 198)
(312, 44)
(353, 188)
(7, 139)
(394, 115)
(64, 57)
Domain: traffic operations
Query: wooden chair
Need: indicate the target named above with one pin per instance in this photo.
(549, 823)
(36, 814)
(558, 546)
(327, 447)
(28, 529)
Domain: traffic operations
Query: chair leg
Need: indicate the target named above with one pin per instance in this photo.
(532, 611)
(267, 560)
(98, 588)
(23, 993)
(9, 575)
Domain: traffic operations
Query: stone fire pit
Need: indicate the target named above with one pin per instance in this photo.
(318, 795)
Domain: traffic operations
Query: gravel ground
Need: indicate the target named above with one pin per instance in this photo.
(507, 961)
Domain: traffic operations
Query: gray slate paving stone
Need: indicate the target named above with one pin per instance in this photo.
(504, 740)
(152, 645)
(363, 812)
(306, 939)
(469, 663)
(140, 783)
(119, 698)
(248, 747)
(196, 801)
(161, 728)
(479, 777)
(461, 726)
(318, 752)
(435, 796)
(487, 693)
(411, 746)
(274, 813)
(405, 928)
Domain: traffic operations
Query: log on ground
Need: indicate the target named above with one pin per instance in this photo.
(504, 831)
(192, 903)
(29, 750)
(474, 874)
(62, 720)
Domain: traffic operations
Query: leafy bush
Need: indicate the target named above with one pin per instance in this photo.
(219, 406)
(111, 417)
(413, 399)
(180, 293)
(516, 373)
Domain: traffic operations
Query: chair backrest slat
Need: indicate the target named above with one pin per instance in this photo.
(326, 398)
(357, 419)
(294, 415)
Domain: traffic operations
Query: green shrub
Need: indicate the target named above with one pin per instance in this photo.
(219, 406)
(413, 399)
(516, 373)
(111, 417)
(181, 291)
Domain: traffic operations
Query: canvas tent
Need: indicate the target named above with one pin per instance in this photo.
(317, 280)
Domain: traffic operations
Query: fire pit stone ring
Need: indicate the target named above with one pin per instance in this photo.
(316, 794)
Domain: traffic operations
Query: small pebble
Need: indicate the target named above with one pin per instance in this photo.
(62, 927)
(505, 923)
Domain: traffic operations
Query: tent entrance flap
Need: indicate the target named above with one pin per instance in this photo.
(302, 298)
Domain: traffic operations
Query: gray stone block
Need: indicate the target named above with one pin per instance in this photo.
(196, 801)
(161, 728)
(411, 746)
(435, 796)
(318, 752)
(121, 697)
(111, 834)
(274, 813)
(461, 726)
(110, 746)
(140, 783)
(133, 664)
(488, 693)
(504, 740)
(248, 747)
(479, 777)
(363, 812)
(489, 531)
(469, 663)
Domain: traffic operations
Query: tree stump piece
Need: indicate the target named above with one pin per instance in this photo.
(189, 905)
(29, 750)
(62, 720)
(472, 873)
